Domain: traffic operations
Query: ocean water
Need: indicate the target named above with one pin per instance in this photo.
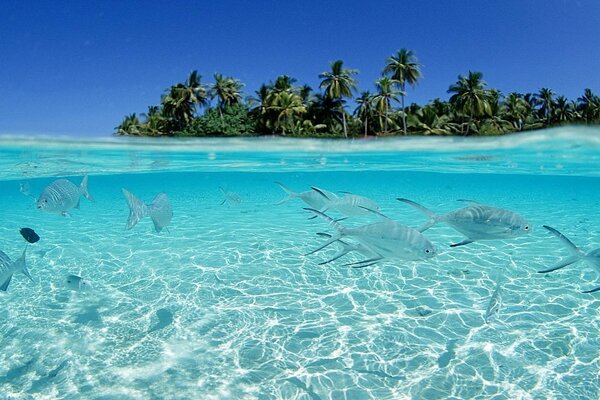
(225, 304)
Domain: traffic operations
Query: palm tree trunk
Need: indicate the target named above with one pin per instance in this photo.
(344, 123)
(386, 119)
(469, 123)
(403, 110)
(366, 123)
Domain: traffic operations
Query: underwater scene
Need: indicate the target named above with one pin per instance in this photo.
(408, 268)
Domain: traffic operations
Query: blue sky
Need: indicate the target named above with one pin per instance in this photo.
(77, 67)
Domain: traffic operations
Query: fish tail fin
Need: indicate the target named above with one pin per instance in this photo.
(289, 192)
(576, 253)
(84, 189)
(433, 218)
(137, 209)
(23, 265)
(4, 285)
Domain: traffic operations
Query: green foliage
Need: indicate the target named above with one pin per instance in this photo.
(233, 120)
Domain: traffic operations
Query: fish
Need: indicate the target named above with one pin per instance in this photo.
(25, 188)
(8, 269)
(29, 235)
(75, 282)
(592, 258)
(165, 318)
(347, 248)
(477, 222)
(160, 210)
(350, 205)
(313, 198)
(387, 239)
(231, 198)
(495, 302)
(62, 195)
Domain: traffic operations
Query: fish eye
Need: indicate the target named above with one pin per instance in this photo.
(427, 251)
(526, 227)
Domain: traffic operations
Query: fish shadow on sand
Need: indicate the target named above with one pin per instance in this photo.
(165, 318)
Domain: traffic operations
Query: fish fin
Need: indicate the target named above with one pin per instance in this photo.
(469, 201)
(563, 263)
(332, 240)
(572, 248)
(223, 202)
(316, 189)
(290, 193)
(335, 224)
(364, 263)
(375, 212)
(23, 264)
(84, 189)
(137, 209)
(433, 217)
(65, 214)
(4, 286)
(592, 291)
(466, 241)
(157, 226)
(78, 205)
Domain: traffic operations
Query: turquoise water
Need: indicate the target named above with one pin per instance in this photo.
(224, 304)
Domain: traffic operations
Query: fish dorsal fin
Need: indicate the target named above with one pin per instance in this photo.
(470, 201)
(316, 189)
(78, 203)
(375, 212)
(570, 245)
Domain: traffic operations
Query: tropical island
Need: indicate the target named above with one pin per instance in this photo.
(285, 108)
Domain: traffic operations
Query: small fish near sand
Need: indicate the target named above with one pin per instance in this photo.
(160, 210)
(8, 269)
(592, 258)
(62, 195)
(77, 283)
(29, 235)
(477, 222)
(229, 197)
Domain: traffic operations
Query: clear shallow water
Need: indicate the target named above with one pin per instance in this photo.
(253, 318)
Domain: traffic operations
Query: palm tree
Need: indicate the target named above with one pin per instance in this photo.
(131, 125)
(179, 104)
(470, 97)
(227, 90)
(383, 99)
(564, 110)
(404, 68)
(589, 106)
(546, 102)
(364, 109)
(287, 107)
(338, 84)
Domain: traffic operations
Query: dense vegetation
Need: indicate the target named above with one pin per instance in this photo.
(284, 108)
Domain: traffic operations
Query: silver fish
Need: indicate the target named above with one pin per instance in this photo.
(314, 199)
(8, 268)
(350, 205)
(592, 258)
(477, 222)
(387, 239)
(62, 195)
(159, 210)
(231, 198)
(495, 302)
(75, 282)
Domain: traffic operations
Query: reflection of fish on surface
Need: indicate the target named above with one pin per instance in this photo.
(387, 239)
(62, 195)
(8, 268)
(25, 189)
(231, 198)
(477, 222)
(592, 258)
(313, 198)
(159, 210)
